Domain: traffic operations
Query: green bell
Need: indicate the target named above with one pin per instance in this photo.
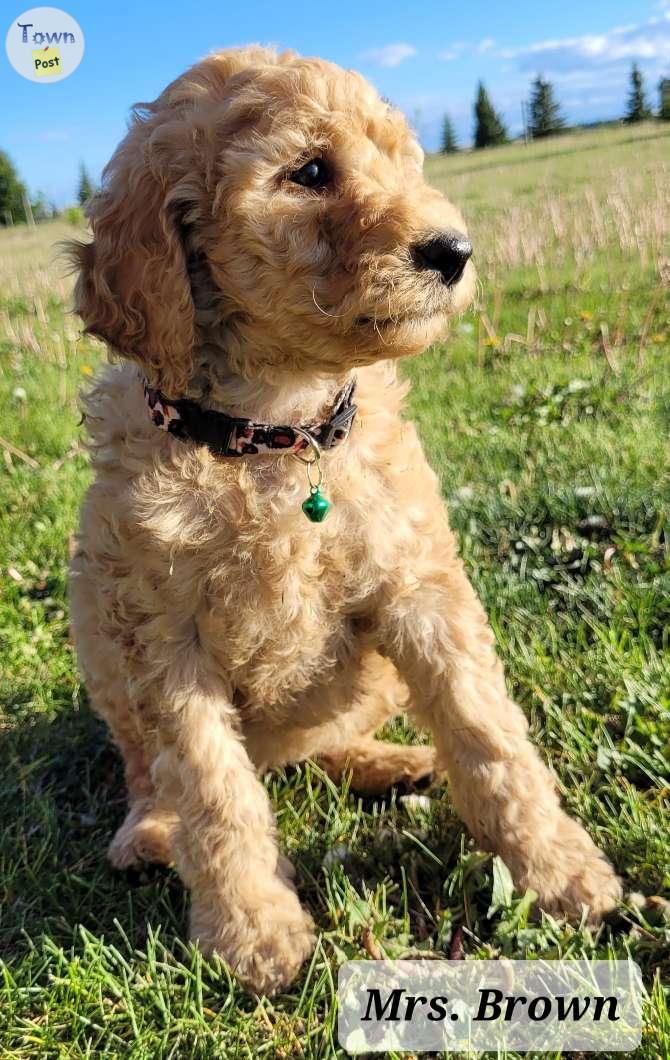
(316, 507)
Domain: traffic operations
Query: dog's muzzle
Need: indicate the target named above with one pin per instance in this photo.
(446, 252)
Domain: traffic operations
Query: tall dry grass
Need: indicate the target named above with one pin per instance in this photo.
(632, 218)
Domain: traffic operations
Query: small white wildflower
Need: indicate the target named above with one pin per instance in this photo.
(415, 802)
(19, 393)
(595, 522)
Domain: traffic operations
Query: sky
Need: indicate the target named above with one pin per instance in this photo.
(424, 55)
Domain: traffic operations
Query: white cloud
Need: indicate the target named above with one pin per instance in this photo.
(454, 51)
(390, 54)
(646, 41)
(486, 45)
(591, 74)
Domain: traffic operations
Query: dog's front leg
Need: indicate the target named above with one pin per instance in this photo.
(435, 631)
(243, 904)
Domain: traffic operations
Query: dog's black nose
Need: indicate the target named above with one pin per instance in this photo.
(447, 253)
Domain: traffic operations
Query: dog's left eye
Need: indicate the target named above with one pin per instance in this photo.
(313, 174)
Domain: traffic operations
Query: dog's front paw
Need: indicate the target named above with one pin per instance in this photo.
(277, 953)
(578, 875)
(263, 942)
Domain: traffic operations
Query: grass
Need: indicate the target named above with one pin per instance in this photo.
(547, 418)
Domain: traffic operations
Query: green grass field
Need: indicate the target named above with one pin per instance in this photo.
(548, 417)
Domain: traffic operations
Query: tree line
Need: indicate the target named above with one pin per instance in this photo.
(542, 114)
(17, 206)
(544, 119)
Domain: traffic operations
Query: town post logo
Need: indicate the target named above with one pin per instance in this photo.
(46, 62)
(45, 44)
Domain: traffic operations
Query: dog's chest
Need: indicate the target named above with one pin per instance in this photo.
(280, 609)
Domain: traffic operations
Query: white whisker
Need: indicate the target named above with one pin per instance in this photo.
(334, 316)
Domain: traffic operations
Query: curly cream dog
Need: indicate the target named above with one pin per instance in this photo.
(263, 232)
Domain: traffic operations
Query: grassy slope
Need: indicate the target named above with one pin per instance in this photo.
(547, 416)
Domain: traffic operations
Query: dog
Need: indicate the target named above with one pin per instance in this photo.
(264, 250)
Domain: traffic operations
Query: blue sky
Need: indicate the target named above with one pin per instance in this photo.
(425, 55)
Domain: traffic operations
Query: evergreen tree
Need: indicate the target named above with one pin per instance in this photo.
(12, 193)
(449, 141)
(489, 127)
(545, 112)
(664, 99)
(85, 187)
(638, 108)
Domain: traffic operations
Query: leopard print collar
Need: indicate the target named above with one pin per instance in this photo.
(228, 435)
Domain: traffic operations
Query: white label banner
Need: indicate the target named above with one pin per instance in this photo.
(437, 1005)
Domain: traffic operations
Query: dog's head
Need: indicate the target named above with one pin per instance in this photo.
(301, 193)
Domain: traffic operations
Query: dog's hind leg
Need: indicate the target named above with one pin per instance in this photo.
(375, 765)
(344, 742)
(145, 836)
(146, 832)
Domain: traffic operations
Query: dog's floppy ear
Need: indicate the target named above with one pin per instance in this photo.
(133, 288)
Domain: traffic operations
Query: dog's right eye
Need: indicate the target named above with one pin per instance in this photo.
(313, 174)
